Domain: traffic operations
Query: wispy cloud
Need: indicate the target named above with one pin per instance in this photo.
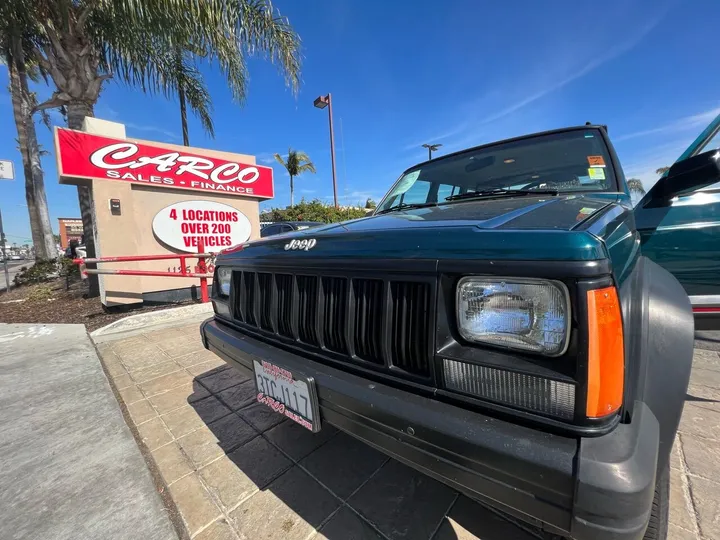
(171, 135)
(106, 112)
(560, 66)
(694, 121)
(266, 158)
(589, 65)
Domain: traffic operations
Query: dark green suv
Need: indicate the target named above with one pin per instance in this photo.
(496, 324)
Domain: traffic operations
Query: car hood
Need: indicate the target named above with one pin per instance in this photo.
(519, 228)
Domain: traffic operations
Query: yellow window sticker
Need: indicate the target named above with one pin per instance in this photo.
(596, 173)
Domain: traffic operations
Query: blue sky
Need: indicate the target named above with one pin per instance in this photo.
(459, 73)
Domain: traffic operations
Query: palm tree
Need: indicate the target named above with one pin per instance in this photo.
(297, 163)
(14, 42)
(662, 170)
(190, 87)
(636, 186)
(86, 42)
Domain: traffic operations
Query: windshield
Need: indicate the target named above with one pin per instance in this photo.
(576, 160)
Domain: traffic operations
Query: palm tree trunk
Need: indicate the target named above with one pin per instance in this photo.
(183, 115)
(292, 191)
(40, 227)
(76, 113)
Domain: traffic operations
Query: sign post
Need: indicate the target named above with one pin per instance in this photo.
(7, 172)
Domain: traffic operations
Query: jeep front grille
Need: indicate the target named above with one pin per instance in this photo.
(383, 324)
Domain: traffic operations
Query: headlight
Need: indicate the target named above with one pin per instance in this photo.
(525, 314)
(224, 274)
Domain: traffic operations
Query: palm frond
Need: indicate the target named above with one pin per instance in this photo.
(635, 185)
(280, 160)
(262, 30)
(307, 167)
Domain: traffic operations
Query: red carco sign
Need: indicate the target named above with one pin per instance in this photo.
(82, 155)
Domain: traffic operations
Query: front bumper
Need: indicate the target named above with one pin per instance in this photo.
(588, 488)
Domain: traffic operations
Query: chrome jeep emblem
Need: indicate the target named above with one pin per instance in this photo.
(304, 245)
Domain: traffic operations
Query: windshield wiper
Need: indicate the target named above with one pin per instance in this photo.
(500, 192)
(403, 206)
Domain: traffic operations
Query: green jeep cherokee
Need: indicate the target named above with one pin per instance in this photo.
(496, 324)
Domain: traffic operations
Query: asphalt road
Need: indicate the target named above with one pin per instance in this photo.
(13, 268)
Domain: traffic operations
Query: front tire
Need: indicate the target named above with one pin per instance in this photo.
(658, 525)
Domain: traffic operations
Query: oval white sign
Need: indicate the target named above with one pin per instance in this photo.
(182, 225)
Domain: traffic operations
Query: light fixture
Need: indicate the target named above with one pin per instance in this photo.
(321, 102)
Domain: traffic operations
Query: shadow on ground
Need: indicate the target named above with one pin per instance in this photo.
(708, 340)
(278, 480)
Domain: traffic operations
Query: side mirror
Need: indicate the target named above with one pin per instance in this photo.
(688, 175)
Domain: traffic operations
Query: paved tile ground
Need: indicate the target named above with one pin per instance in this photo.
(238, 471)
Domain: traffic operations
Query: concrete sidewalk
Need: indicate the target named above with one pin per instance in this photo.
(236, 470)
(71, 468)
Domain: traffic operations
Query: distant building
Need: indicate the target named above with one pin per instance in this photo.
(70, 229)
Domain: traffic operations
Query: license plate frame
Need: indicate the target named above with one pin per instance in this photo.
(274, 372)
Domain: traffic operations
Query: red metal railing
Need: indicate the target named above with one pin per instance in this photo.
(202, 269)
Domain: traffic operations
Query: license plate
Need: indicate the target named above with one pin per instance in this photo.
(287, 393)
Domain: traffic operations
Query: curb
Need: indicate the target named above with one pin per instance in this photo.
(163, 317)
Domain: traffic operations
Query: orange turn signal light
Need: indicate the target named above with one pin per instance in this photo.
(606, 353)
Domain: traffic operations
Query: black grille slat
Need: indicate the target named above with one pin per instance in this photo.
(368, 313)
(265, 300)
(285, 295)
(334, 314)
(239, 296)
(249, 298)
(308, 309)
(410, 324)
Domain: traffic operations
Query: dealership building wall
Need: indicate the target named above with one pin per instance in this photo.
(128, 230)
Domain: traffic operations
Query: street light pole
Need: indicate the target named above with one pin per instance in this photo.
(4, 254)
(431, 148)
(322, 102)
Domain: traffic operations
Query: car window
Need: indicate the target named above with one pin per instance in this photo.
(446, 190)
(285, 228)
(268, 230)
(574, 160)
(417, 193)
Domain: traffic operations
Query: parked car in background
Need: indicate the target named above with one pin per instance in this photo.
(17, 257)
(287, 226)
(505, 322)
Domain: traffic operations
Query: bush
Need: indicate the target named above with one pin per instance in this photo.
(67, 267)
(314, 210)
(42, 270)
(40, 293)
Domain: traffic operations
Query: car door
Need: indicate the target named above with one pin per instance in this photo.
(683, 235)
